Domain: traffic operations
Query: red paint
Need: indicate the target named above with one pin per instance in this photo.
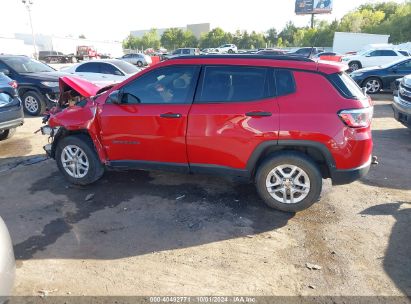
(221, 134)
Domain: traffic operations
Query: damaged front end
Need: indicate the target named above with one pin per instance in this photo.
(74, 113)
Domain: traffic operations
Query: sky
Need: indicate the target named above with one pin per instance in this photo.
(113, 20)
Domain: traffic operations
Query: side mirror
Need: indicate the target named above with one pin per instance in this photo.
(5, 71)
(115, 97)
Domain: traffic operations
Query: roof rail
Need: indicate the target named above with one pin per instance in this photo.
(247, 56)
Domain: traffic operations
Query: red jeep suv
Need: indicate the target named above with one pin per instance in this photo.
(283, 122)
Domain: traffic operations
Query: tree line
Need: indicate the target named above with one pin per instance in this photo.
(376, 18)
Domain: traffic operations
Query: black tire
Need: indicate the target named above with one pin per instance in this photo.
(355, 65)
(6, 134)
(230, 51)
(96, 168)
(295, 159)
(33, 103)
(139, 64)
(373, 82)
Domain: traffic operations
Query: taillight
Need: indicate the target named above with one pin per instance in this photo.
(357, 118)
(13, 84)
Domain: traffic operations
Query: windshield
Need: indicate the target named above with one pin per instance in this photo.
(388, 65)
(126, 67)
(27, 65)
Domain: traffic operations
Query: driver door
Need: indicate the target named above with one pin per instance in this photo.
(149, 126)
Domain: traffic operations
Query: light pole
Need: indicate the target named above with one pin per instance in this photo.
(28, 4)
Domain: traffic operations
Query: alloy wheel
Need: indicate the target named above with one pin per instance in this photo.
(75, 161)
(288, 184)
(31, 104)
(373, 86)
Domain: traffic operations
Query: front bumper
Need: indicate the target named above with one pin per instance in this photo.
(51, 132)
(402, 111)
(342, 177)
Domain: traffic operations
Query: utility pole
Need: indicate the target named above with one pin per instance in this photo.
(312, 21)
(28, 4)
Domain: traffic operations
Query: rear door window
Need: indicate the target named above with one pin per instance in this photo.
(91, 67)
(232, 84)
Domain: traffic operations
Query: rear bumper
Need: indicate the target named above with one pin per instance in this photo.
(342, 177)
(11, 117)
(402, 112)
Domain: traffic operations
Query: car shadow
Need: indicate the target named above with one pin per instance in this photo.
(397, 259)
(133, 213)
(393, 149)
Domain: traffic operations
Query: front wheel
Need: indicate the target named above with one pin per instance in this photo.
(289, 181)
(33, 103)
(78, 161)
(230, 51)
(139, 64)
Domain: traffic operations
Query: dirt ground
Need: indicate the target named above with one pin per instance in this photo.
(169, 234)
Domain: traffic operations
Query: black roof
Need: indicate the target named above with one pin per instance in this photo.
(247, 56)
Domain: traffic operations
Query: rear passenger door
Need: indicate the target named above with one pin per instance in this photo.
(234, 110)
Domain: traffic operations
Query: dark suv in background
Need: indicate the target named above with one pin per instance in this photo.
(11, 111)
(38, 82)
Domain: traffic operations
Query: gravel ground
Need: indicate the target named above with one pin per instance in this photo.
(153, 233)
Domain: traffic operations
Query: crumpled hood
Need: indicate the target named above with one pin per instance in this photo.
(81, 86)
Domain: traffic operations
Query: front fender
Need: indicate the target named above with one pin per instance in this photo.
(78, 120)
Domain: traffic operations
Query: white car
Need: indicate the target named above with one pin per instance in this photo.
(227, 48)
(7, 263)
(139, 60)
(373, 57)
(103, 71)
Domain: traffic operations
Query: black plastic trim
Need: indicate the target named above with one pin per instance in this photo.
(148, 165)
(252, 162)
(246, 56)
(218, 170)
(342, 177)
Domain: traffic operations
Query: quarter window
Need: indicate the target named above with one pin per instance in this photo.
(169, 85)
(284, 82)
(233, 84)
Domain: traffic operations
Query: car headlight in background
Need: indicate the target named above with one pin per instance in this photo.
(50, 84)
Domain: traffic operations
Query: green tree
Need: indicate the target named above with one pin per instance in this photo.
(215, 38)
(272, 36)
(151, 39)
(287, 34)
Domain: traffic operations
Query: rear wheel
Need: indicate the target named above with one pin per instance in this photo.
(289, 181)
(6, 134)
(355, 65)
(139, 64)
(33, 103)
(78, 161)
(230, 51)
(373, 85)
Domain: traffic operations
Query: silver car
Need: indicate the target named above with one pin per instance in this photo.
(7, 263)
(103, 71)
(139, 60)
